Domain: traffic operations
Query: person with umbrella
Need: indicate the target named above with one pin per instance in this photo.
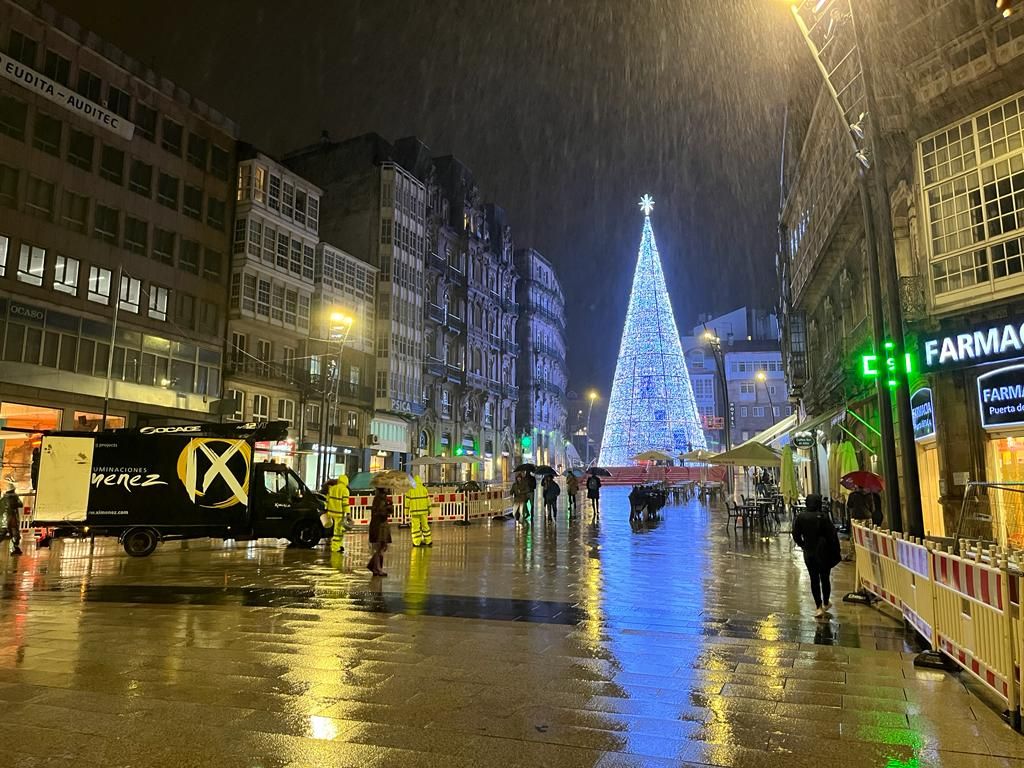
(520, 490)
(380, 530)
(594, 494)
(550, 491)
(865, 501)
(815, 534)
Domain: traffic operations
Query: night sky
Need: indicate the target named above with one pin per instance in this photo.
(567, 111)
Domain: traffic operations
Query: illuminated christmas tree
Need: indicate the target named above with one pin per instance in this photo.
(652, 404)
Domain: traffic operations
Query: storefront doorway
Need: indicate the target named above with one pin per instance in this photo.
(928, 474)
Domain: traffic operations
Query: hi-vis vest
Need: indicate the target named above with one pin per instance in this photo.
(417, 501)
(337, 497)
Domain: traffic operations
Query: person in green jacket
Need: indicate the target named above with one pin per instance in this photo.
(337, 509)
(417, 505)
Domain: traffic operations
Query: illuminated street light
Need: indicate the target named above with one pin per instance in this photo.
(592, 396)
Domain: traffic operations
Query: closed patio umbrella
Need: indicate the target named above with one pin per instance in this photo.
(788, 485)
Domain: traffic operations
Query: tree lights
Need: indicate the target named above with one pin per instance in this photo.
(652, 404)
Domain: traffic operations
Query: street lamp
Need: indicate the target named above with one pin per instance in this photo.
(591, 396)
(763, 378)
(715, 344)
(338, 328)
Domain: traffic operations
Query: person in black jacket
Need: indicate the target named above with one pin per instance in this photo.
(815, 534)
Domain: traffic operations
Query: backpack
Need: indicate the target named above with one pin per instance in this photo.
(592, 483)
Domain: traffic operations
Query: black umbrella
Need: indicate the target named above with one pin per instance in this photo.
(525, 468)
(544, 469)
(599, 471)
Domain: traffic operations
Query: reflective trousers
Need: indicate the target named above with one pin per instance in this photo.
(338, 537)
(420, 529)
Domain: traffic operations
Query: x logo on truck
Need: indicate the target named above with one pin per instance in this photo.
(212, 457)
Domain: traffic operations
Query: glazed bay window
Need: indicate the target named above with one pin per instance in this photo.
(31, 264)
(65, 275)
(100, 279)
(131, 290)
(972, 175)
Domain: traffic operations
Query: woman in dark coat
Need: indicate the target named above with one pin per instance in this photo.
(380, 531)
(815, 534)
(550, 491)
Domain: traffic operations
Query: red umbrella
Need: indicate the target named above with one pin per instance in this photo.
(869, 481)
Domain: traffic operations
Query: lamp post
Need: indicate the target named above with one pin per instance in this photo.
(763, 378)
(338, 327)
(714, 343)
(591, 396)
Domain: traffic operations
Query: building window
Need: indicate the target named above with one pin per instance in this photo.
(261, 407)
(255, 236)
(277, 304)
(385, 231)
(80, 149)
(163, 246)
(286, 410)
(31, 264)
(215, 213)
(240, 232)
(352, 424)
(303, 323)
(89, 85)
(5, 244)
(131, 289)
(288, 355)
(8, 186)
(239, 357)
(75, 212)
(106, 224)
(264, 354)
(119, 102)
(197, 149)
(291, 305)
(192, 202)
(747, 389)
(136, 233)
(99, 285)
(213, 263)
(237, 398)
(23, 48)
(39, 198)
(112, 164)
(308, 262)
(757, 411)
(46, 133)
(263, 298)
(300, 206)
(249, 292)
(288, 201)
(219, 162)
(171, 136)
(743, 411)
(313, 415)
(167, 191)
(13, 114)
(57, 68)
(65, 275)
(145, 122)
(274, 193)
(158, 302)
(140, 179)
(188, 259)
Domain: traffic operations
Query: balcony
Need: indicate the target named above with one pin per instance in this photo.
(476, 381)
(433, 367)
(455, 324)
(454, 373)
(510, 391)
(510, 347)
(456, 276)
(437, 263)
(436, 313)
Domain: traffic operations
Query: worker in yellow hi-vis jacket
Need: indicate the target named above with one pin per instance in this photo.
(417, 506)
(337, 509)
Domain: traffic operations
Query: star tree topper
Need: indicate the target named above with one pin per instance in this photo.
(646, 204)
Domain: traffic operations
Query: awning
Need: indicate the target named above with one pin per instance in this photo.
(826, 419)
(774, 432)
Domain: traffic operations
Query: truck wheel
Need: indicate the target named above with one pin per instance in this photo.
(307, 533)
(140, 542)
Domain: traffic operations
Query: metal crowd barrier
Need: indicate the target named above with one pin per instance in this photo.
(966, 604)
(446, 505)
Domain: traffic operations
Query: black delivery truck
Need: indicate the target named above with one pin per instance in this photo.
(149, 484)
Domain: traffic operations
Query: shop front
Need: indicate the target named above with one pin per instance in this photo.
(922, 409)
(977, 389)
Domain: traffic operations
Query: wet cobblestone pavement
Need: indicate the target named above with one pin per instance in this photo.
(678, 643)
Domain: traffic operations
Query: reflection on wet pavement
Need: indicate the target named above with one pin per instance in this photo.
(679, 642)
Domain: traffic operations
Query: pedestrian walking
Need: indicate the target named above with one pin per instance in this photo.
(337, 511)
(520, 490)
(572, 488)
(417, 504)
(594, 494)
(864, 506)
(550, 490)
(10, 509)
(815, 534)
(380, 531)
